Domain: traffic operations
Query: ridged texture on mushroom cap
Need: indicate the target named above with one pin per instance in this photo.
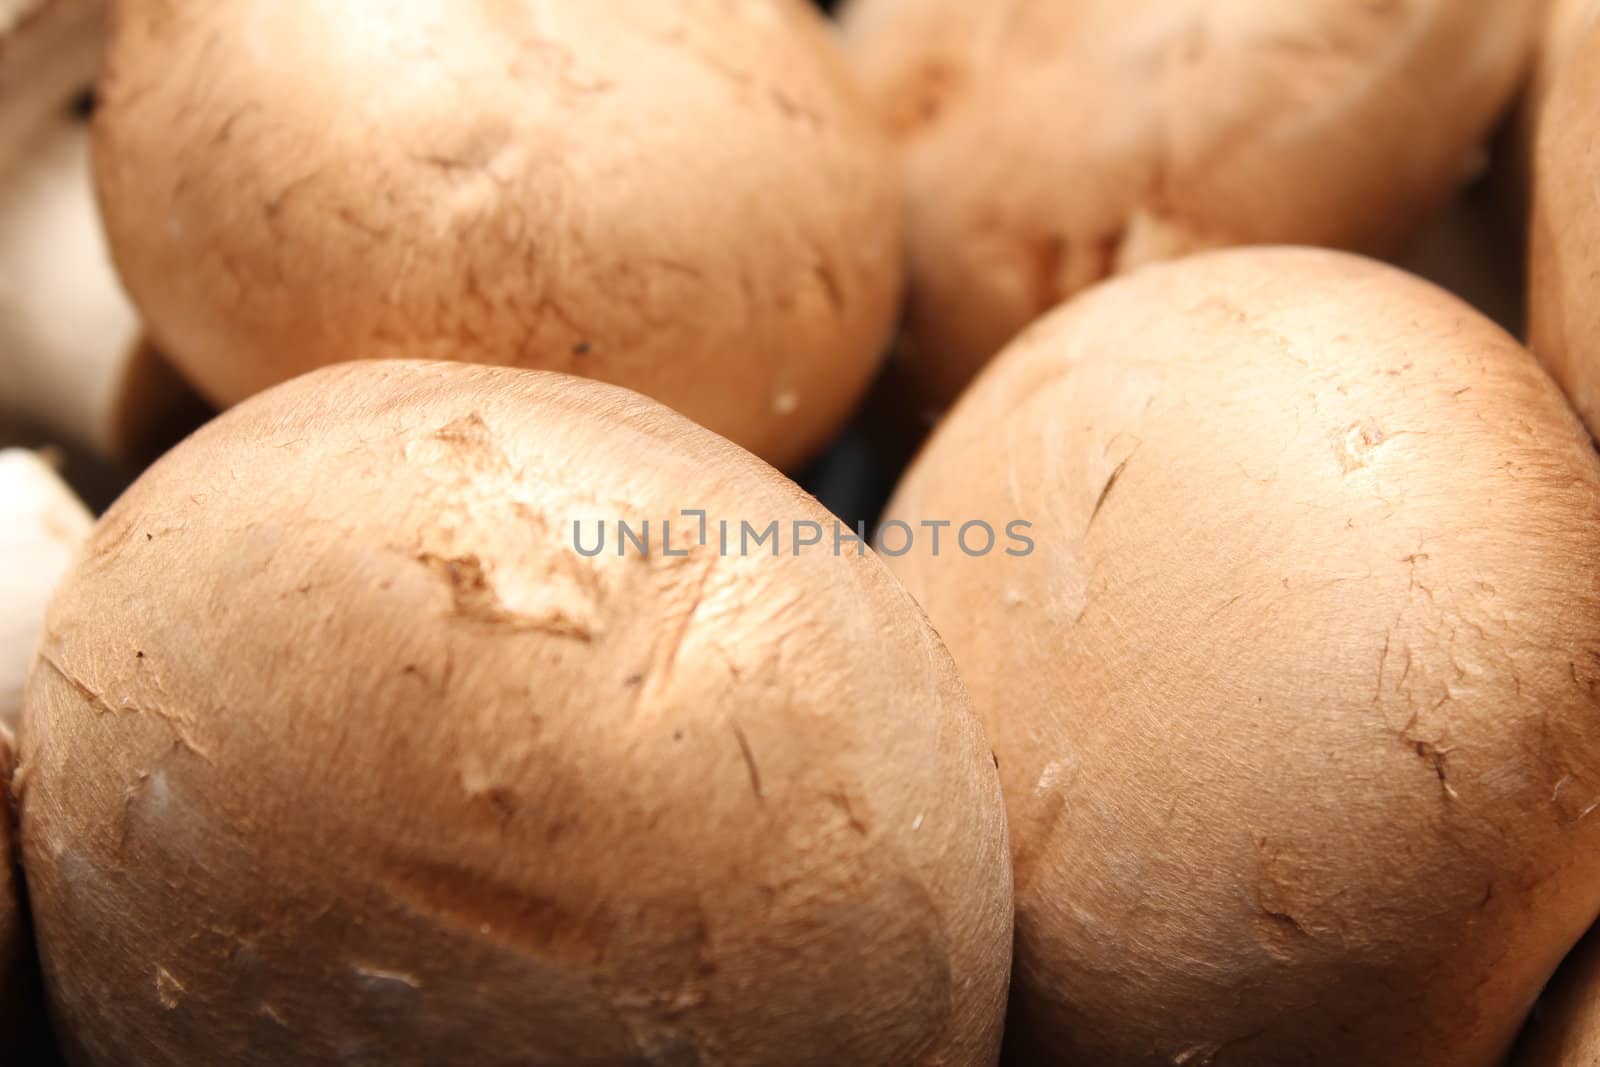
(340, 752)
(1564, 250)
(1051, 144)
(1295, 700)
(689, 199)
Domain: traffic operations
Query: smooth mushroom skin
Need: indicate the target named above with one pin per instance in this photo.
(1295, 699)
(1564, 1029)
(41, 525)
(72, 355)
(337, 750)
(1564, 248)
(689, 199)
(1049, 145)
(1565, 25)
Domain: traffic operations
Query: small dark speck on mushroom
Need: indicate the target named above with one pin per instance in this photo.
(633, 680)
(138, 655)
(582, 348)
(677, 735)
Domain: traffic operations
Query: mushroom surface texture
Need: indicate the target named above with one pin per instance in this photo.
(1564, 241)
(1294, 698)
(1049, 144)
(690, 199)
(1564, 1030)
(72, 358)
(41, 525)
(1565, 25)
(340, 749)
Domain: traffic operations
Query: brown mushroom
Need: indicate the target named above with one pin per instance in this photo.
(339, 748)
(689, 199)
(1295, 694)
(1050, 145)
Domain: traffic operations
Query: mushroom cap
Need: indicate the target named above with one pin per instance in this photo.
(689, 199)
(1565, 25)
(338, 749)
(1049, 145)
(1564, 240)
(1295, 698)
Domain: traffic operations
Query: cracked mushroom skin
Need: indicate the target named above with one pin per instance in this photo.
(338, 752)
(1564, 242)
(1294, 700)
(688, 199)
(1049, 145)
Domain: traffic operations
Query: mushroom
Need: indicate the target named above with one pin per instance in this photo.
(1052, 144)
(1564, 241)
(71, 355)
(1295, 691)
(1564, 27)
(346, 743)
(43, 524)
(688, 198)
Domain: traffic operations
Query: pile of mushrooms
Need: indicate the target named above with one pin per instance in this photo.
(469, 598)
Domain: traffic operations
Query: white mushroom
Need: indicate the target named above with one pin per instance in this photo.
(71, 357)
(41, 525)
